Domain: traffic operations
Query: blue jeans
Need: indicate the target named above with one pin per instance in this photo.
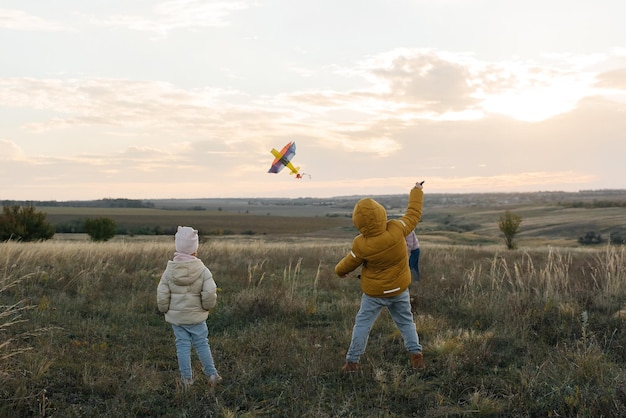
(400, 309)
(196, 335)
(414, 260)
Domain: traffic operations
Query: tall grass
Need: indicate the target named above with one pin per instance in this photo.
(531, 332)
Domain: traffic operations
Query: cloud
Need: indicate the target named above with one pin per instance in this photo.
(442, 85)
(417, 84)
(9, 150)
(400, 89)
(134, 164)
(122, 103)
(615, 79)
(22, 21)
(426, 78)
(177, 14)
(142, 172)
(521, 181)
(474, 132)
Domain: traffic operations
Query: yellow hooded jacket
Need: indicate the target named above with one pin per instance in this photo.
(380, 247)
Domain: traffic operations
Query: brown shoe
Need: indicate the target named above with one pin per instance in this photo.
(214, 379)
(350, 367)
(417, 361)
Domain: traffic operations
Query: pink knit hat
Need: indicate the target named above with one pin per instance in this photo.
(186, 239)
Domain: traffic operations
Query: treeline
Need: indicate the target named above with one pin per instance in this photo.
(595, 204)
(594, 238)
(77, 226)
(101, 203)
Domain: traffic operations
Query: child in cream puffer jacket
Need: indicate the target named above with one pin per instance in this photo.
(185, 295)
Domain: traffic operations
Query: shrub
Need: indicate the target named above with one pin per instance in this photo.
(509, 226)
(24, 223)
(591, 238)
(100, 229)
(616, 238)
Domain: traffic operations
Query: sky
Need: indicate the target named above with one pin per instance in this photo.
(184, 99)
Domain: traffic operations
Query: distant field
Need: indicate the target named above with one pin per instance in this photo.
(445, 221)
(140, 221)
(540, 224)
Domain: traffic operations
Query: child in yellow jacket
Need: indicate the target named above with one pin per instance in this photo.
(381, 251)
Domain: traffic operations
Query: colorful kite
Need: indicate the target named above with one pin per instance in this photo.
(283, 158)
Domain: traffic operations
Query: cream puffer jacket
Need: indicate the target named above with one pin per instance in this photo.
(186, 292)
(381, 247)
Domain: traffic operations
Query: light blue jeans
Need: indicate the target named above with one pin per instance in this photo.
(400, 309)
(196, 335)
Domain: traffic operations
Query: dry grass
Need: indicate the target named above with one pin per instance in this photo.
(531, 332)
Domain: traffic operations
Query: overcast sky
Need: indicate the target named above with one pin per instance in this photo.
(185, 98)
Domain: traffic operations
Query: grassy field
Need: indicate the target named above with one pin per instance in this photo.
(537, 331)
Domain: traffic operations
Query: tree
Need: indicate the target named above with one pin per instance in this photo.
(591, 238)
(100, 229)
(509, 226)
(24, 223)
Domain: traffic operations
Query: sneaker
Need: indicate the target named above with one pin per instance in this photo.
(417, 361)
(350, 367)
(186, 382)
(214, 379)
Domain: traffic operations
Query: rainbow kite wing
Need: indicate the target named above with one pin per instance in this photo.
(283, 158)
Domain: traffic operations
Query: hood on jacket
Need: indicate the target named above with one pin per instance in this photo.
(370, 217)
(184, 273)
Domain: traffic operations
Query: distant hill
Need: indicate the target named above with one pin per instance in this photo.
(583, 198)
(100, 203)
